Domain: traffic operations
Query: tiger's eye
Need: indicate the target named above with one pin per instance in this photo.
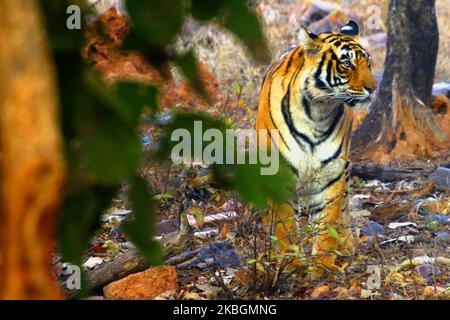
(346, 64)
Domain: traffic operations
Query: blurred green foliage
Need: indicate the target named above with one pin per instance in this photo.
(101, 123)
(246, 179)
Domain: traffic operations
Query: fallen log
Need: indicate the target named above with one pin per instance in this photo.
(387, 173)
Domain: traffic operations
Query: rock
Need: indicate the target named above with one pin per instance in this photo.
(441, 178)
(434, 217)
(442, 237)
(167, 226)
(427, 271)
(372, 228)
(219, 254)
(144, 285)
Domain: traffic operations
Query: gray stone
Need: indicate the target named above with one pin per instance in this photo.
(218, 254)
(372, 228)
(428, 271)
(442, 237)
(441, 178)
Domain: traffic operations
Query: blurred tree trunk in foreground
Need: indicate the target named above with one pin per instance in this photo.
(32, 167)
(401, 123)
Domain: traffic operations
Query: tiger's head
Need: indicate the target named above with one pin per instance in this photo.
(339, 67)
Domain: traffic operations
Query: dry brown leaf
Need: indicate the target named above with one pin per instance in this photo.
(319, 291)
(391, 211)
(224, 231)
(427, 189)
(243, 277)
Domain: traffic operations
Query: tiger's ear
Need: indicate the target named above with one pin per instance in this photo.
(351, 29)
(309, 41)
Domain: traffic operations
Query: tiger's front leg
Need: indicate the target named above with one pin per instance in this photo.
(332, 229)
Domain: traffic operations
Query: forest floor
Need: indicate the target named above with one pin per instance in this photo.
(402, 226)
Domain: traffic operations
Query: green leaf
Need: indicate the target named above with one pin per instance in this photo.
(164, 196)
(55, 15)
(237, 17)
(238, 88)
(339, 253)
(156, 55)
(190, 69)
(252, 186)
(80, 218)
(186, 120)
(137, 96)
(205, 10)
(127, 99)
(105, 126)
(157, 21)
(332, 232)
(242, 178)
(140, 229)
(252, 261)
(296, 249)
(245, 25)
(109, 150)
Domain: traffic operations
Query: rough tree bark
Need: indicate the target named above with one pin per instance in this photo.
(31, 163)
(401, 124)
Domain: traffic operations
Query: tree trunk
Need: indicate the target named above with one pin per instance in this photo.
(401, 124)
(32, 167)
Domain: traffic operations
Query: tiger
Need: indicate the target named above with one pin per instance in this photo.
(308, 96)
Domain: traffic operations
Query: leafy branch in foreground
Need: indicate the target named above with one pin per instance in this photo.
(246, 179)
(101, 122)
